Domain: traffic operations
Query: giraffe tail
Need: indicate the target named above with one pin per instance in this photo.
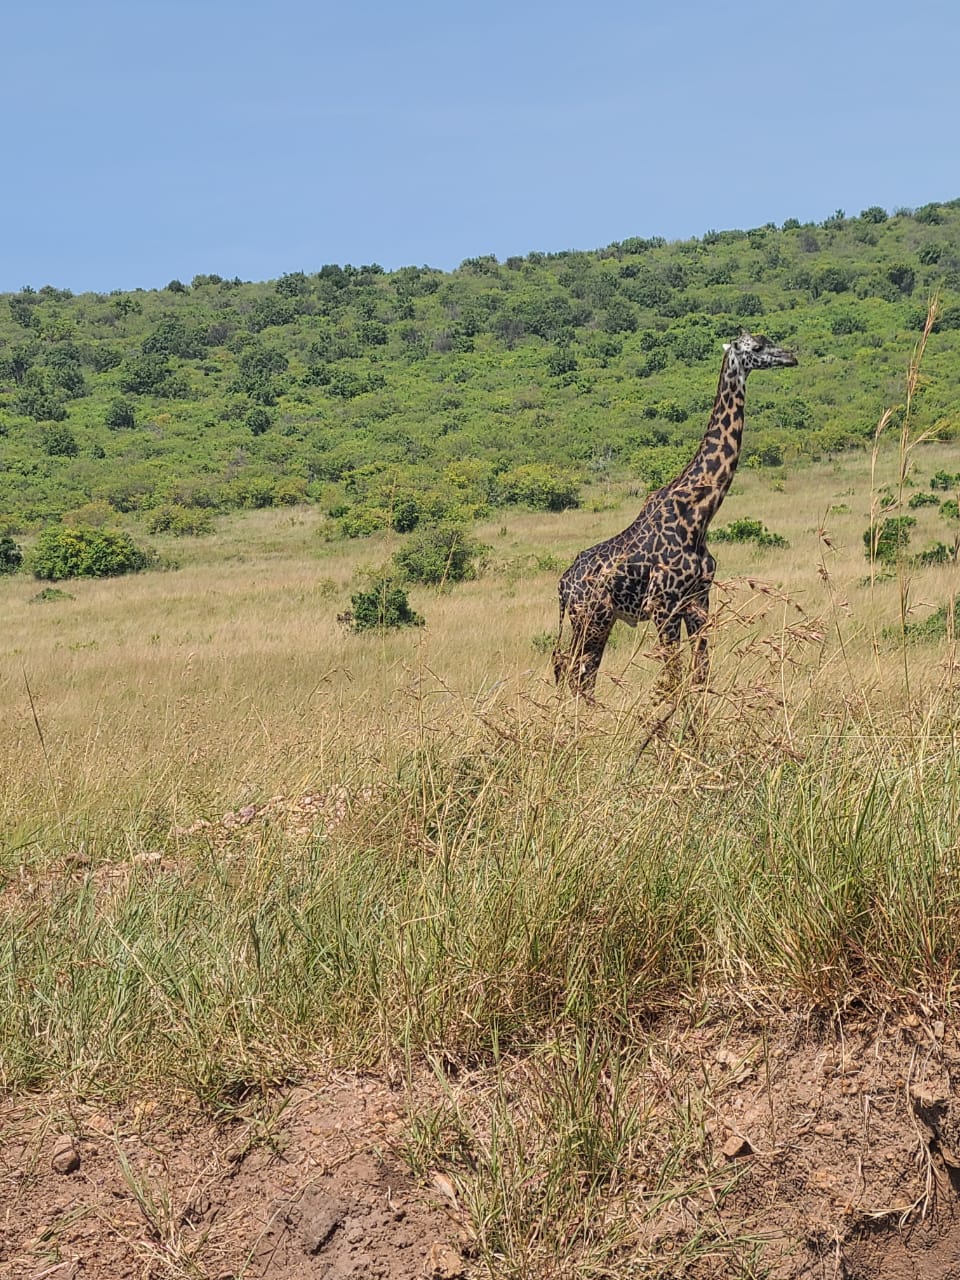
(561, 660)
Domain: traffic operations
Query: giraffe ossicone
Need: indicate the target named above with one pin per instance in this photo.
(659, 567)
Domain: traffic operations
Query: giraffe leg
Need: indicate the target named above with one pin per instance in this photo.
(590, 635)
(667, 622)
(695, 620)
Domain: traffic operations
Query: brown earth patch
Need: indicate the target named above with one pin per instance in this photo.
(821, 1156)
(843, 1152)
(309, 1189)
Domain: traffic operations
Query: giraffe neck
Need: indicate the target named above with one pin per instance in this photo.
(709, 474)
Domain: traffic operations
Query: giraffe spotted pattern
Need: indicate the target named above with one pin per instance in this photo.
(659, 567)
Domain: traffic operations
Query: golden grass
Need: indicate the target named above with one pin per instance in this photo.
(231, 679)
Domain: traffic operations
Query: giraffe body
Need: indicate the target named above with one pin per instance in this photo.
(659, 568)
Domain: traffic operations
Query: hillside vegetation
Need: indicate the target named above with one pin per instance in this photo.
(391, 397)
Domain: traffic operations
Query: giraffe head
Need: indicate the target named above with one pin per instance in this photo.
(754, 351)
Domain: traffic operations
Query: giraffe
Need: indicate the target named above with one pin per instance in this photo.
(659, 567)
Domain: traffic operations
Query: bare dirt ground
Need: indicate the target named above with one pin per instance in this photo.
(849, 1149)
(305, 1191)
(843, 1151)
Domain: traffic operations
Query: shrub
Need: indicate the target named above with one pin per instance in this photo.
(937, 553)
(660, 463)
(747, 530)
(561, 361)
(48, 594)
(537, 485)
(671, 411)
(86, 553)
(91, 515)
(831, 280)
(359, 522)
(923, 500)
(144, 374)
(289, 491)
(941, 622)
(383, 606)
(120, 414)
(847, 322)
(60, 442)
(180, 521)
(407, 513)
(748, 304)
(439, 553)
(36, 401)
(258, 420)
(11, 556)
(171, 337)
(885, 541)
(902, 276)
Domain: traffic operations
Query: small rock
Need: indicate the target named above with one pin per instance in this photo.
(825, 1130)
(443, 1263)
(926, 1100)
(322, 1216)
(736, 1146)
(445, 1187)
(65, 1157)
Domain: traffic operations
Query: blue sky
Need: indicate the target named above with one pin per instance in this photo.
(145, 141)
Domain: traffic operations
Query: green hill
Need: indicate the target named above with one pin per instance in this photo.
(387, 397)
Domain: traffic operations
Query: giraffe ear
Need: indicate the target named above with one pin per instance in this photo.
(726, 346)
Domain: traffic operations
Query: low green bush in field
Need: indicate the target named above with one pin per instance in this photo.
(944, 621)
(887, 539)
(438, 554)
(383, 606)
(180, 521)
(747, 530)
(86, 553)
(541, 486)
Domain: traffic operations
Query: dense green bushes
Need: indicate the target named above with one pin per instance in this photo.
(382, 606)
(180, 521)
(544, 488)
(747, 530)
(439, 554)
(86, 553)
(11, 556)
(886, 540)
(419, 395)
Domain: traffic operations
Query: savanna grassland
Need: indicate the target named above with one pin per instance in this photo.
(244, 847)
(336, 952)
